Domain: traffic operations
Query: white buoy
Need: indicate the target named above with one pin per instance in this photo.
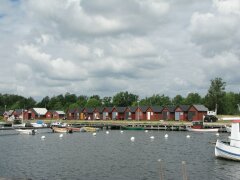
(166, 136)
(132, 139)
(146, 131)
(107, 132)
(121, 132)
(217, 134)
(188, 136)
(61, 135)
(43, 137)
(152, 137)
(94, 134)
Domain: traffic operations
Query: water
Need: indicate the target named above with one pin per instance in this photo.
(112, 156)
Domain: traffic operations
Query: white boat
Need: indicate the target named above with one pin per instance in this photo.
(202, 130)
(230, 150)
(18, 125)
(228, 129)
(26, 131)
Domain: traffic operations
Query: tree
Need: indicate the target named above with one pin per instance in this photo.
(178, 100)
(193, 98)
(124, 99)
(93, 103)
(107, 101)
(215, 95)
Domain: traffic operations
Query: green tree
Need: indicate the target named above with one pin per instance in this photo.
(124, 99)
(193, 98)
(93, 103)
(178, 100)
(215, 95)
(107, 101)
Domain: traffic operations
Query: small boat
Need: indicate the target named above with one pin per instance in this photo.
(74, 129)
(19, 125)
(39, 124)
(199, 127)
(26, 131)
(61, 130)
(202, 129)
(132, 128)
(88, 129)
(230, 150)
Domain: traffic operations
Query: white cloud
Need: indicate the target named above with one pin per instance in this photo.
(106, 46)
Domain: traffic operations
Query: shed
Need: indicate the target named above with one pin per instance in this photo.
(197, 112)
(154, 112)
(181, 112)
(34, 113)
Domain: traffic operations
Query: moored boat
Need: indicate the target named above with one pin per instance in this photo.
(198, 126)
(132, 128)
(61, 130)
(202, 129)
(26, 131)
(88, 129)
(230, 150)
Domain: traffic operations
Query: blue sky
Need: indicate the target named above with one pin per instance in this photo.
(103, 47)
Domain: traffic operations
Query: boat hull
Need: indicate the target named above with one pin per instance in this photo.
(202, 130)
(224, 150)
(26, 131)
(61, 130)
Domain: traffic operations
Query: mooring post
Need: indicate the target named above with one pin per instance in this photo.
(161, 169)
(184, 171)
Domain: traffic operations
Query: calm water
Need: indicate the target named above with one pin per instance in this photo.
(112, 156)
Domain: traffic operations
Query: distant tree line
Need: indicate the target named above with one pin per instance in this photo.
(226, 102)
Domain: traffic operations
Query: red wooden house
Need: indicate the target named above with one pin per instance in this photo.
(154, 113)
(88, 113)
(181, 113)
(106, 113)
(36, 113)
(141, 113)
(197, 112)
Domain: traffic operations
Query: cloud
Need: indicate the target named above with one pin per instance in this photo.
(107, 46)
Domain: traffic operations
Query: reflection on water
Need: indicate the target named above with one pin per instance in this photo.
(112, 156)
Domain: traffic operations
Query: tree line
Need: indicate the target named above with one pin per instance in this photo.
(226, 102)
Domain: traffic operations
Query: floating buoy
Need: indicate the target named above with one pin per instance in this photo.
(166, 136)
(121, 132)
(132, 139)
(146, 131)
(43, 137)
(188, 136)
(94, 134)
(107, 132)
(217, 134)
(152, 137)
(61, 135)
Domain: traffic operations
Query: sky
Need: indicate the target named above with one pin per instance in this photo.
(103, 47)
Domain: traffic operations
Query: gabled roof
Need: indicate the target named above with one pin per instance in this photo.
(40, 111)
(89, 110)
(133, 109)
(71, 110)
(60, 112)
(121, 109)
(171, 108)
(100, 109)
(143, 108)
(8, 113)
(200, 107)
(184, 107)
(157, 108)
(18, 111)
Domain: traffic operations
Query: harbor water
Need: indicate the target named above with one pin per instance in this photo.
(113, 156)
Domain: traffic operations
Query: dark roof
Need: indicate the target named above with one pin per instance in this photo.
(89, 110)
(71, 110)
(18, 111)
(200, 107)
(133, 109)
(184, 107)
(121, 109)
(157, 108)
(100, 109)
(143, 108)
(171, 108)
